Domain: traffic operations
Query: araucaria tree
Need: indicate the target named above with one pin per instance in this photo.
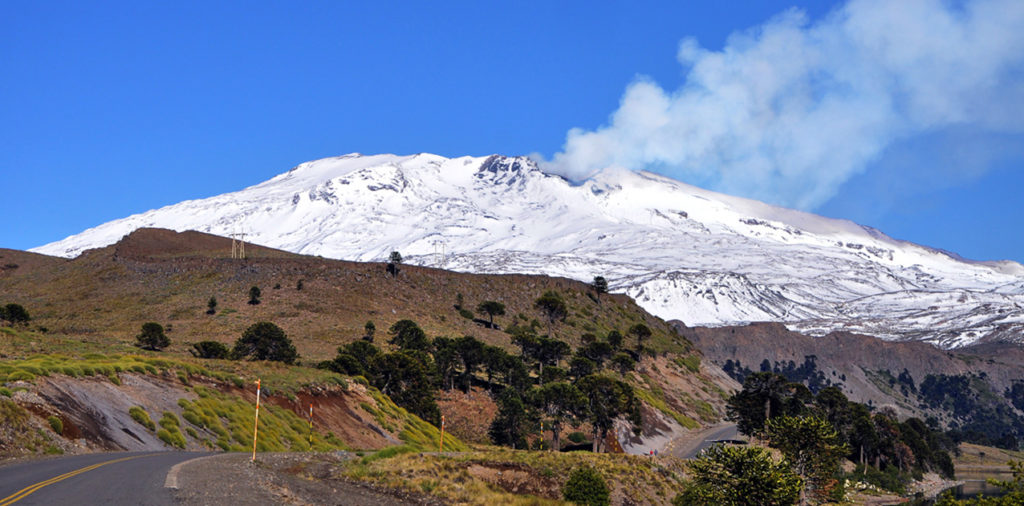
(608, 399)
(394, 260)
(765, 395)
(739, 475)
(152, 337)
(265, 341)
(492, 308)
(552, 307)
(814, 449)
(254, 295)
(404, 376)
(513, 421)
(560, 402)
(600, 286)
(640, 332)
(368, 330)
(407, 335)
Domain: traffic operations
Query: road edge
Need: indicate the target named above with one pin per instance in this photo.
(171, 480)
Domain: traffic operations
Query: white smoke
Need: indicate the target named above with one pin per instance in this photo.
(790, 110)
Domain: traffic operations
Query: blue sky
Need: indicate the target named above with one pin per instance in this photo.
(114, 109)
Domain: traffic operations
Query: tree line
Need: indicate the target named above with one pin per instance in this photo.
(546, 382)
(790, 417)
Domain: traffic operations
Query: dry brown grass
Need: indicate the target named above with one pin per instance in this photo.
(105, 296)
(502, 476)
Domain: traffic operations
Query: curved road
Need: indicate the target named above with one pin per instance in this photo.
(688, 447)
(99, 478)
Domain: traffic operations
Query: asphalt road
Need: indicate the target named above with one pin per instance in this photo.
(100, 478)
(690, 446)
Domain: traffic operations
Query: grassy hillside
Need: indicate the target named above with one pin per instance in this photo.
(97, 303)
(105, 295)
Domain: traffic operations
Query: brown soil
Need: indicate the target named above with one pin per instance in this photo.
(468, 415)
(516, 479)
(280, 478)
(95, 416)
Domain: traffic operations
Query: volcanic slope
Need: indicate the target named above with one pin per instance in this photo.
(681, 252)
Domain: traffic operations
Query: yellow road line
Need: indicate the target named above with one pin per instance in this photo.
(21, 494)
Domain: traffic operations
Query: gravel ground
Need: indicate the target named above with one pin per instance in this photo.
(279, 478)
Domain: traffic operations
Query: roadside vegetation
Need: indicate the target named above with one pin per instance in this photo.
(505, 476)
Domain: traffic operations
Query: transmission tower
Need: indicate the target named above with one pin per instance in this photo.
(439, 256)
(238, 245)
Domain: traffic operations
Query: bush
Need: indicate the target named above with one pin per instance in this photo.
(142, 417)
(209, 349)
(15, 314)
(577, 437)
(171, 438)
(20, 376)
(56, 424)
(586, 486)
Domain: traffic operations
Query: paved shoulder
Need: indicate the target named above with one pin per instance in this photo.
(101, 478)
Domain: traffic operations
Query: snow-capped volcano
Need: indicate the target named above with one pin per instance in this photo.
(682, 252)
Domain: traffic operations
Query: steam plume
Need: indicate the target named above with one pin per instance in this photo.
(788, 111)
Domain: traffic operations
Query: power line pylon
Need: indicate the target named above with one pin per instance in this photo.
(238, 245)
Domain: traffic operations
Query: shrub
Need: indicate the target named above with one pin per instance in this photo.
(142, 417)
(467, 314)
(171, 438)
(15, 314)
(586, 486)
(56, 424)
(577, 437)
(209, 349)
(20, 376)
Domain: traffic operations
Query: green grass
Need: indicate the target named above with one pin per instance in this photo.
(56, 424)
(228, 420)
(414, 432)
(660, 404)
(19, 436)
(690, 362)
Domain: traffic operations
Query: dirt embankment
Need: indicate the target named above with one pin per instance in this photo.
(94, 412)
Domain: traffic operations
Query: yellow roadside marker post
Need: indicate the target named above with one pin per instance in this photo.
(256, 424)
(311, 427)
